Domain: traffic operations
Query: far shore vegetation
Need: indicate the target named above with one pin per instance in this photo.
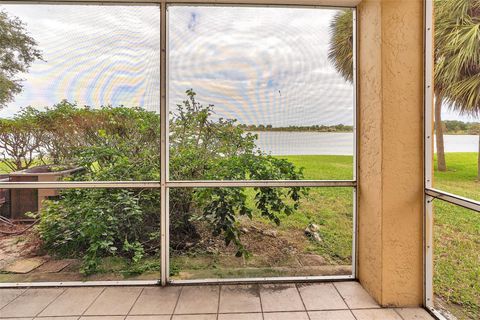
(460, 127)
(314, 128)
(450, 127)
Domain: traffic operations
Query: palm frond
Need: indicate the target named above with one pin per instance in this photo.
(340, 52)
(457, 54)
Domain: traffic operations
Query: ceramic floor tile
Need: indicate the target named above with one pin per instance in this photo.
(414, 314)
(285, 316)
(240, 316)
(331, 315)
(57, 318)
(198, 300)
(157, 317)
(376, 314)
(7, 296)
(321, 296)
(237, 302)
(74, 301)
(195, 317)
(30, 303)
(280, 297)
(103, 318)
(355, 296)
(156, 300)
(114, 301)
(240, 298)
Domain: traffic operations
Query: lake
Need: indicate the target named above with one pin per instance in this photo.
(329, 143)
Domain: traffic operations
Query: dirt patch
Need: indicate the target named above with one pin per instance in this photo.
(268, 248)
(452, 311)
(16, 246)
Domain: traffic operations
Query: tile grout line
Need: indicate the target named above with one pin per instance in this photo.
(345, 301)
(301, 299)
(353, 314)
(260, 297)
(401, 317)
(48, 304)
(93, 301)
(218, 304)
(312, 310)
(176, 302)
(61, 294)
(343, 298)
(136, 299)
(21, 294)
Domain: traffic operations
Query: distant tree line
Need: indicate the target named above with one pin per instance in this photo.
(460, 127)
(314, 128)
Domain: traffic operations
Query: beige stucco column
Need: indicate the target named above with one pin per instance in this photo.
(390, 40)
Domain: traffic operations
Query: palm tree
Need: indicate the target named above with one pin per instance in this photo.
(341, 44)
(457, 59)
(457, 50)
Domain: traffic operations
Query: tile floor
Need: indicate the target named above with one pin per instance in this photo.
(315, 301)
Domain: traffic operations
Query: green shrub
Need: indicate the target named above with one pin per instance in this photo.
(122, 144)
(94, 223)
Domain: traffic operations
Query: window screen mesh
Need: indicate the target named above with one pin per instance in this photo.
(267, 69)
(92, 54)
(93, 99)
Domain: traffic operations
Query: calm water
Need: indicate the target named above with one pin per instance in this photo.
(328, 143)
(325, 143)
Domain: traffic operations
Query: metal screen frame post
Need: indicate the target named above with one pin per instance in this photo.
(428, 154)
(163, 147)
(356, 128)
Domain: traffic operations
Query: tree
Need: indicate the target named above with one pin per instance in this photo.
(20, 140)
(456, 56)
(457, 51)
(18, 51)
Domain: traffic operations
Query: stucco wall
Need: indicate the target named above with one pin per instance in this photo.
(391, 154)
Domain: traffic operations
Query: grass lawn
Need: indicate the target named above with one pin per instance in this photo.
(457, 239)
(327, 207)
(461, 175)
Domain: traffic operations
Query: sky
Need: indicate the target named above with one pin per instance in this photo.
(257, 65)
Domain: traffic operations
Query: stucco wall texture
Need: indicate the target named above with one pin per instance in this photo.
(390, 256)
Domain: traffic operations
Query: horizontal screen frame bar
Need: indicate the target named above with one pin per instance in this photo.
(81, 185)
(176, 184)
(454, 199)
(97, 283)
(265, 280)
(297, 3)
(261, 183)
(112, 283)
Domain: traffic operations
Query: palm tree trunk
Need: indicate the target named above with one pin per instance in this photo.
(441, 165)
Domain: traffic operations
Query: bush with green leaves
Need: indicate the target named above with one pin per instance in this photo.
(122, 144)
